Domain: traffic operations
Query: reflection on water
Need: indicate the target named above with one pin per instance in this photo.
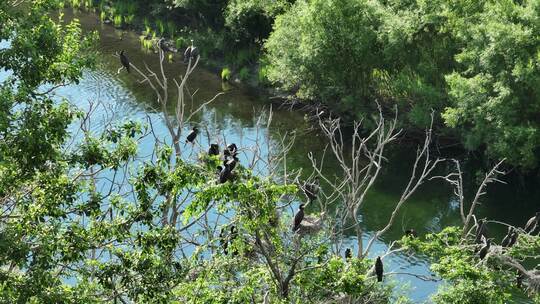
(234, 115)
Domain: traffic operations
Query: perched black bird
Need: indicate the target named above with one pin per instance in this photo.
(231, 150)
(225, 174)
(214, 149)
(191, 52)
(532, 223)
(485, 249)
(233, 235)
(508, 237)
(379, 269)
(192, 135)
(480, 231)
(348, 253)
(124, 60)
(223, 240)
(411, 233)
(231, 162)
(312, 189)
(513, 239)
(298, 217)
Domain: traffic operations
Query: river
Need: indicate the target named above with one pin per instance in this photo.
(235, 114)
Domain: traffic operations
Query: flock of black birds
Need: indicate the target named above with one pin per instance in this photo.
(311, 191)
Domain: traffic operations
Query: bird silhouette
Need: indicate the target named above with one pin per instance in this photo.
(224, 174)
(411, 233)
(124, 61)
(191, 52)
(513, 239)
(532, 223)
(223, 240)
(192, 135)
(481, 231)
(214, 149)
(231, 150)
(348, 254)
(298, 217)
(485, 249)
(379, 269)
(232, 162)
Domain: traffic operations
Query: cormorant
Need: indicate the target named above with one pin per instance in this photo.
(225, 174)
(506, 240)
(312, 189)
(223, 240)
(411, 233)
(233, 234)
(481, 231)
(348, 254)
(124, 60)
(231, 150)
(379, 269)
(192, 135)
(214, 149)
(483, 252)
(532, 223)
(298, 217)
(191, 52)
(231, 162)
(513, 239)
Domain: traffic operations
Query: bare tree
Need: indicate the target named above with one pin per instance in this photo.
(361, 166)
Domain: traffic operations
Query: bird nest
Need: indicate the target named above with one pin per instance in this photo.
(311, 224)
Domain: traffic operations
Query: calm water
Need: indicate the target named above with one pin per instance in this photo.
(234, 115)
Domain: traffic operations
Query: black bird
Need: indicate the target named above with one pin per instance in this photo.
(483, 252)
(232, 162)
(223, 240)
(225, 174)
(233, 235)
(379, 269)
(480, 231)
(191, 52)
(508, 237)
(192, 135)
(312, 189)
(298, 217)
(532, 223)
(348, 254)
(411, 233)
(124, 60)
(513, 239)
(231, 150)
(214, 149)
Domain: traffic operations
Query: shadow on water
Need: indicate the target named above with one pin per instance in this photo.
(235, 114)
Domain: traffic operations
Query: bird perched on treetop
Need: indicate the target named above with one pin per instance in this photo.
(480, 231)
(224, 174)
(124, 61)
(485, 249)
(348, 253)
(532, 223)
(214, 149)
(298, 217)
(379, 269)
(191, 52)
(508, 237)
(231, 150)
(411, 233)
(192, 135)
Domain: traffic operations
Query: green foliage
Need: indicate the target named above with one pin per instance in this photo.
(225, 74)
(243, 74)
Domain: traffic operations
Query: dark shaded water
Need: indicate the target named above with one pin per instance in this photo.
(235, 114)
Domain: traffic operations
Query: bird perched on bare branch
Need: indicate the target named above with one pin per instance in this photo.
(191, 52)
(192, 135)
(532, 223)
(481, 231)
(379, 269)
(508, 237)
(298, 217)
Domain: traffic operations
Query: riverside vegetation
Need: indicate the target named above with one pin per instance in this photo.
(89, 220)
